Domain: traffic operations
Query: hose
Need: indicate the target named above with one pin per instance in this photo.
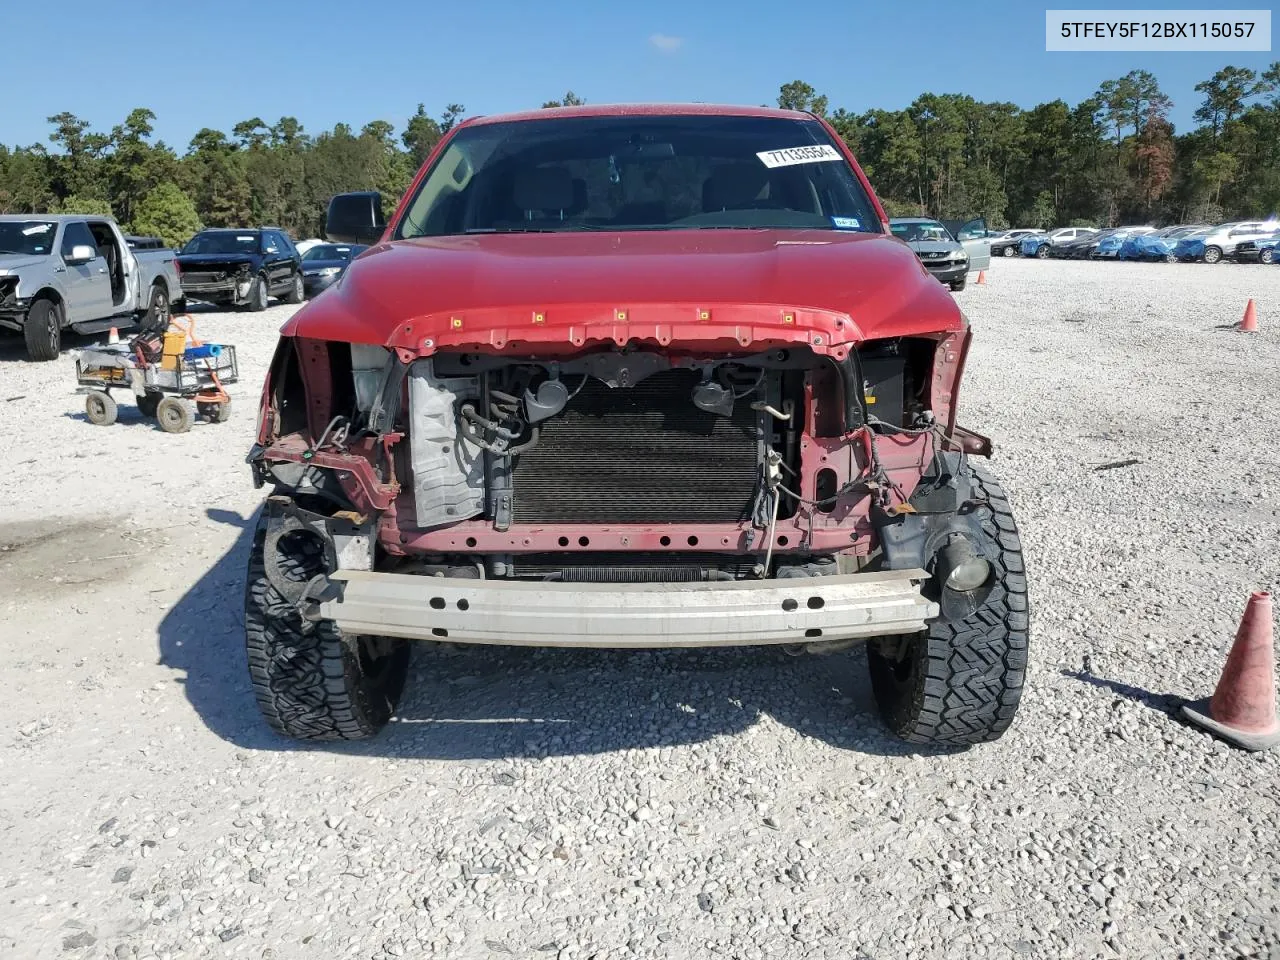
(773, 526)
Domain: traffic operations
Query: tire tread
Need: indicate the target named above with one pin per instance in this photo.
(969, 676)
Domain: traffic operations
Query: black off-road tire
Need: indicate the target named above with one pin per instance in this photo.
(174, 415)
(42, 330)
(148, 402)
(960, 683)
(259, 295)
(296, 292)
(215, 412)
(100, 408)
(316, 683)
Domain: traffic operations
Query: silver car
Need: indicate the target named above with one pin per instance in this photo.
(948, 250)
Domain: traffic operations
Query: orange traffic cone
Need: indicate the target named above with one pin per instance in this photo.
(1242, 710)
(982, 277)
(1250, 322)
(113, 336)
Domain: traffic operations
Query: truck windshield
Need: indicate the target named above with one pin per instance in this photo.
(639, 172)
(222, 243)
(32, 238)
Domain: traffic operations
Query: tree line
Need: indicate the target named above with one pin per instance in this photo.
(1112, 158)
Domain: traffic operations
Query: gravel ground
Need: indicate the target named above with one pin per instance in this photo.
(666, 804)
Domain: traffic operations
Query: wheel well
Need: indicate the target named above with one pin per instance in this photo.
(48, 293)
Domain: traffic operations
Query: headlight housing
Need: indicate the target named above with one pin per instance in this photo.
(964, 568)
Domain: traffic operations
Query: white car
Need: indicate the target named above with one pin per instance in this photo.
(1221, 241)
(1065, 234)
(304, 245)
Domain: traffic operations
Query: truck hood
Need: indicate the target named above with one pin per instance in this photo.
(480, 288)
(13, 262)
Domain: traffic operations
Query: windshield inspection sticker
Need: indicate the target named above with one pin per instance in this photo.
(846, 223)
(790, 156)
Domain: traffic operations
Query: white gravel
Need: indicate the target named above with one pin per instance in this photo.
(668, 804)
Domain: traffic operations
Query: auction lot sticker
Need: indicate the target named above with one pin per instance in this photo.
(1165, 30)
(790, 156)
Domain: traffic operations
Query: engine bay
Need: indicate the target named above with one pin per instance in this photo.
(622, 464)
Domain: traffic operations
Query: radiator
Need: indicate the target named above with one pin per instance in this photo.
(638, 455)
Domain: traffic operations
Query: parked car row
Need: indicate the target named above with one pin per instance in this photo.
(1243, 241)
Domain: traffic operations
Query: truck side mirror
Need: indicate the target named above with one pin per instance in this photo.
(355, 218)
(81, 253)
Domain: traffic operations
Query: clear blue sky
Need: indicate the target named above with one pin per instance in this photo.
(329, 61)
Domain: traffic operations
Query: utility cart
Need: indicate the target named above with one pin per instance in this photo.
(166, 373)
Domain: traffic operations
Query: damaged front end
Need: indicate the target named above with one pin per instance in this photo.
(616, 489)
(230, 283)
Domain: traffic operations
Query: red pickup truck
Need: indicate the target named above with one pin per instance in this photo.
(641, 376)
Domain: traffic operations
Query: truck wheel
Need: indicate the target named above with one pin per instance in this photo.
(156, 319)
(42, 330)
(173, 415)
(1212, 254)
(100, 408)
(313, 682)
(959, 683)
(258, 294)
(295, 294)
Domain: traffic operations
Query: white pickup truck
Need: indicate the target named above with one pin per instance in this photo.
(78, 272)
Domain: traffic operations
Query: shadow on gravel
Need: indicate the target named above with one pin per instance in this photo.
(1166, 703)
(498, 702)
(14, 349)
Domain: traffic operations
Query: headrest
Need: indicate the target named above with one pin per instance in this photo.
(543, 188)
(733, 185)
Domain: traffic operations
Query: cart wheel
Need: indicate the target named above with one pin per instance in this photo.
(173, 415)
(147, 404)
(215, 412)
(100, 408)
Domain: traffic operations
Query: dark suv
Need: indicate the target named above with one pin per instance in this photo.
(241, 267)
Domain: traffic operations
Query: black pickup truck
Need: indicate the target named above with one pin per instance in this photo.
(237, 268)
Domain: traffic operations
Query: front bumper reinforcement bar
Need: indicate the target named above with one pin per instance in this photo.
(548, 614)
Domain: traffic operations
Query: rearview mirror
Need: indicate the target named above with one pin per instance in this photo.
(355, 218)
(81, 253)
